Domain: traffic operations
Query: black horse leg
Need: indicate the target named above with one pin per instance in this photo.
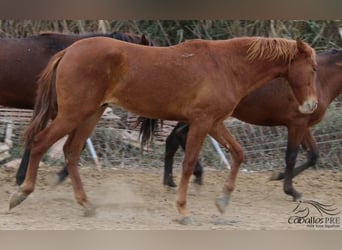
(171, 146)
(178, 137)
(62, 175)
(291, 155)
(21, 173)
(295, 137)
(309, 144)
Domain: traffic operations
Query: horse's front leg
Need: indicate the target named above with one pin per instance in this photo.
(197, 133)
(72, 152)
(309, 144)
(222, 135)
(62, 174)
(182, 134)
(295, 137)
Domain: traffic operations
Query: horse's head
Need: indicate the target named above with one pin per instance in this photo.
(302, 76)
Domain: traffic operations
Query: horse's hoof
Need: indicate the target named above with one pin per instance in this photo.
(170, 183)
(16, 198)
(222, 203)
(89, 211)
(186, 220)
(296, 196)
(198, 180)
(276, 176)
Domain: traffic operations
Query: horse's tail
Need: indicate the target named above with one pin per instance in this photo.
(45, 107)
(148, 128)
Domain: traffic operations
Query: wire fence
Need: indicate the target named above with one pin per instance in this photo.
(117, 144)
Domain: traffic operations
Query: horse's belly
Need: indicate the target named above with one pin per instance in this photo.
(151, 109)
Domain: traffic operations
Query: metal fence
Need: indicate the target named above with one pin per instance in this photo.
(117, 144)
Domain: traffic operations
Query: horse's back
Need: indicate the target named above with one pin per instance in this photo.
(21, 61)
(126, 72)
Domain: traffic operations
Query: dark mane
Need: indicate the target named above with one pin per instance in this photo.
(127, 37)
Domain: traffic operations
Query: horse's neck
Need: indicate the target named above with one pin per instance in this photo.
(328, 86)
(264, 72)
(254, 73)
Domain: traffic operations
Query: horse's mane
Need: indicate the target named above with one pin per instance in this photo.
(272, 49)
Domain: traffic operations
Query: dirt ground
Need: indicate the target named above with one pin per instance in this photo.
(135, 199)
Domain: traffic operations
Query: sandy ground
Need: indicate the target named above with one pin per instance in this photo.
(135, 199)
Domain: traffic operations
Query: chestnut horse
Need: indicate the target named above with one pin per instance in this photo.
(23, 59)
(199, 82)
(274, 105)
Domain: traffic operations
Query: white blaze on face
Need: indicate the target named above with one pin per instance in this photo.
(309, 106)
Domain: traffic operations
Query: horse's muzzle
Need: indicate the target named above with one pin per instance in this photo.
(309, 106)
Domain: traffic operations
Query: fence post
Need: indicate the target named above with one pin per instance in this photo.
(220, 152)
(93, 154)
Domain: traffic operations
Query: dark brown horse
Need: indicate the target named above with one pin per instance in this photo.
(275, 105)
(199, 82)
(23, 59)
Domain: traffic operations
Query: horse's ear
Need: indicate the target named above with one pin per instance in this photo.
(301, 45)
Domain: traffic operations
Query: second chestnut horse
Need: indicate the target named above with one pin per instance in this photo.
(275, 105)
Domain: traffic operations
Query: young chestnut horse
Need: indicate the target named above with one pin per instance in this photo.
(23, 59)
(275, 105)
(199, 82)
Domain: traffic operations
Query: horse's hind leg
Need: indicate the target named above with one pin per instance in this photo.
(222, 135)
(61, 175)
(312, 153)
(72, 152)
(171, 146)
(42, 141)
(309, 144)
(295, 137)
